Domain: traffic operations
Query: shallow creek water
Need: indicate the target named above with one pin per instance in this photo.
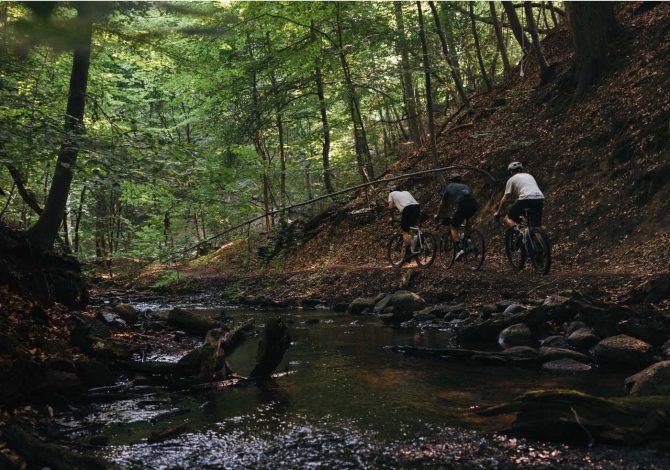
(350, 404)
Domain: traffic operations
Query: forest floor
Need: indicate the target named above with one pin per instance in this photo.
(602, 163)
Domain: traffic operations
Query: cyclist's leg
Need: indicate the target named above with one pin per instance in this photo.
(409, 218)
(536, 205)
(457, 220)
(471, 210)
(513, 217)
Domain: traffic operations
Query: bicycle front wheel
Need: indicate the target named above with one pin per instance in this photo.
(395, 251)
(475, 250)
(514, 249)
(447, 252)
(427, 250)
(540, 250)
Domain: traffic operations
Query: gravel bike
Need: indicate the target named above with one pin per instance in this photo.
(472, 242)
(424, 253)
(528, 242)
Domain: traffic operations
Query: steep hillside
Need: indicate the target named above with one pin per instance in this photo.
(604, 165)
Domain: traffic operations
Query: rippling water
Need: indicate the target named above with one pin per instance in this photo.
(351, 404)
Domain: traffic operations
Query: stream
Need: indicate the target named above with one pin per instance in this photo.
(350, 404)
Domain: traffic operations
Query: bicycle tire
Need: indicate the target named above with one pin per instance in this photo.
(428, 251)
(395, 252)
(477, 246)
(541, 255)
(514, 250)
(447, 251)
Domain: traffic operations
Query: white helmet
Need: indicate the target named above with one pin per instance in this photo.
(515, 166)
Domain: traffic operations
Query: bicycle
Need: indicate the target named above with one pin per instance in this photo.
(472, 243)
(528, 242)
(425, 248)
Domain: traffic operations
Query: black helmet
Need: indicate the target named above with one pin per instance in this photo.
(455, 178)
(394, 187)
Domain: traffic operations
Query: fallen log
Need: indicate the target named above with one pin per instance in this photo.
(271, 349)
(235, 382)
(191, 322)
(165, 434)
(574, 417)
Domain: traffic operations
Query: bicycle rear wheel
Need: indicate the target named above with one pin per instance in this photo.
(514, 249)
(427, 250)
(447, 252)
(475, 250)
(395, 251)
(541, 250)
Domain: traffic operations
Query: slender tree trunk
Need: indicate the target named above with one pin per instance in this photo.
(545, 71)
(26, 194)
(499, 37)
(280, 131)
(478, 50)
(77, 222)
(325, 150)
(43, 233)
(592, 26)
(429, 93)
(553, 13)
(452, 61)
(515, 24)
(360, 136)
(407, 81)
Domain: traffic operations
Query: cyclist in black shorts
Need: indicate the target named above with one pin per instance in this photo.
(524, 187)
(409, 214)
(461, 197)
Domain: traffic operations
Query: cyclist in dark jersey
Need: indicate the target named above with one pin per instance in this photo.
(461, 197)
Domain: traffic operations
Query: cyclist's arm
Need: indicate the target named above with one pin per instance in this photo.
(503, 200)
(390, 208)
(439, 208)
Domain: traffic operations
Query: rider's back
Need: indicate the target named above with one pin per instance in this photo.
(523, 186)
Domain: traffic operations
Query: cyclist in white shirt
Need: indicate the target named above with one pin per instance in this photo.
(524, 188)
(409, 214)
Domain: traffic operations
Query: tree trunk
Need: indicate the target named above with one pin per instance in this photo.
(517, 29)
(407, 81)
(77, 221)
(478, 50)
(452, 61)
(43, 233)
(26, 194)
(362, 149)
(429, 93)
(592, 27)
(500, 38)
(325, 152)
(545, 71)
(553, 13)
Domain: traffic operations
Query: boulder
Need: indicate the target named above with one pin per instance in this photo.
(514, 308)
(665, 350)
(548, 354)
(382, 304)
(191, 322)
(521, 351)
(127, 312)
(654, 380)
(503, 305)
(515, 335)
(94, 373)
(574, 326)
(421, 316)
(85, 330)
(555, 342)
(111, 319)
(405, 303)
(583, 339)
(566, 366)
(652, 291)
(488, 309)
(622, 351)
(360, 304)
(447, 312)
(340, 307)
(651, 330)
(311, 303)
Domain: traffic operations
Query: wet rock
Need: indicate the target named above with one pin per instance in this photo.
(311, 303)
(622, 351)
(583, 339)
(127, 312)
(191, 322)
(574, 326)
(311, 321)
(94, 373)
(386, 317)
(489, 309)
(447, 312)
(515, 335)
(548, 354)
(514, 308)
(567, 366)
(654, 380)
(86, 329)
(651, 330)
(405, 303)
(555, 342)
(341, 307)
(502, 305)
(271, 349)
(111, 319)
(420, 316)
(521, 351)
(360, 304)
(382, 304)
